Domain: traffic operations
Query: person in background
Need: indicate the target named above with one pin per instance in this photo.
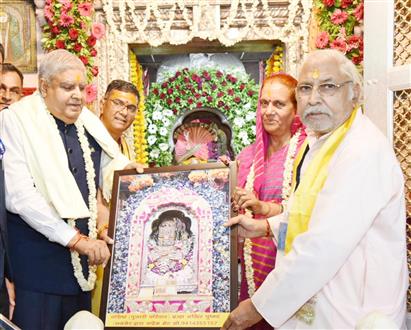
(342, 252)
(118, 110)
(264, 175)
(58, 167)
(11, 85)
(7, 292)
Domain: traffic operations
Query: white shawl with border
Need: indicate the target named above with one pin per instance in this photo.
(47, 159)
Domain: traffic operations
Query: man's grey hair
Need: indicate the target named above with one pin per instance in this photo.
(346, 67)
(58, 61)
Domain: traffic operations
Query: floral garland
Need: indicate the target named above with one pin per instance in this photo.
(275, 63)
(139, 125)
(285, 194)
(69, 26)
(85, 285)
(340, 23)
(189, 89)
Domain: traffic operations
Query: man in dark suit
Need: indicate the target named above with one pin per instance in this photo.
(7, 287)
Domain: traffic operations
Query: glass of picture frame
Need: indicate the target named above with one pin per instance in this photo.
(174, 263)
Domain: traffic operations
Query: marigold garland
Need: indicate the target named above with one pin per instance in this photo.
(275, 63)
(139, 125)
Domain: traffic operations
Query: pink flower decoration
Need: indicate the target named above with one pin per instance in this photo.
(66, 20)
(353, 42)
(339, 44)
(98, 30)
(85, 9)
(48, 12)
(322, 40)
(339, 17)
(329, 3)
(91, 93)
(359, 12)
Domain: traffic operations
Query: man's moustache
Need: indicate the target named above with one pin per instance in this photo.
(317, 110)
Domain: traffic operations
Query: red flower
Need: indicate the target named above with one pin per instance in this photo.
(73, 33)
(219, 74)
(340, 45)
(339, 17)
(77, 47)
(322, 40)
(177, 100)
(199, 104)
(353, 42)
(204, 94)
(197, 96)
(230, 92)
(178, 74)
(164, 85)
(190, 100)
(220, 94)
(60, 44)
(250, 93)
(93, 52)
(346, 3)
(209, 99)
(183, 92)
(224, 83)
(226, 107)
(83, 59)
(237, 99)
(91, 41)
(162, 96)
(220, 104)
(357, 59)
(175, 111)
(242, 86)
(94, 71)
(329, 3)
(359, 12)
(155, 91)
(169, 91)
(213, 87)
(186, 80)
(169, 101)
(55, 29)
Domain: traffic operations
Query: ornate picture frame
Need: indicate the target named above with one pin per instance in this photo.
(174, 264)
(18, 34)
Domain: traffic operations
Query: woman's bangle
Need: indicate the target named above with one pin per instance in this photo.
(281, 208)
(267, 228)
(101, 229)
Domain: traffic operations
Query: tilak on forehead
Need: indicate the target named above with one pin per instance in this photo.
(78, 78)
(130, 97)
(315, 73)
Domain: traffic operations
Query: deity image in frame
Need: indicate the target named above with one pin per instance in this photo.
(172, 257)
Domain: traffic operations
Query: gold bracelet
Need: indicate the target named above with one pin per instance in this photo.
(267, 228)
(101, 229)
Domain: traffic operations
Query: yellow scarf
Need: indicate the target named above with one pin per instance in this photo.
(313, 181)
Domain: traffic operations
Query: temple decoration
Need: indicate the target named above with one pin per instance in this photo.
(340, 27)
(139, 124)
(204, 92)
(69, 25)
(276, 62)
(156, 22)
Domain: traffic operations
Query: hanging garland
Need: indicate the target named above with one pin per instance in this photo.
(340, 23)
(69, 26)
(139, 125)
(276, 62)
(188, 89)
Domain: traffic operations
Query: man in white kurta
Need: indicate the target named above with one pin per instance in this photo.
(351, 261)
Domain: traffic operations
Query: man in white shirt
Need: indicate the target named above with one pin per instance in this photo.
(342, 238)
(59, 164)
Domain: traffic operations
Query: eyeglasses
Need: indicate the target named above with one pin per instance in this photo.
(324, 89)
(13, 92)
(119, 105)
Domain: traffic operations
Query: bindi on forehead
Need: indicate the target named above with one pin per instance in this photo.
(315, 74)
(78, 78)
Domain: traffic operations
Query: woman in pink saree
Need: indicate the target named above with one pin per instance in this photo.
(264, 177)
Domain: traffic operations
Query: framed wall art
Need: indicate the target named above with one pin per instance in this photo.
(173, 264)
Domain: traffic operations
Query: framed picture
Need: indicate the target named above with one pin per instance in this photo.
(173, 264)
(18, 34)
